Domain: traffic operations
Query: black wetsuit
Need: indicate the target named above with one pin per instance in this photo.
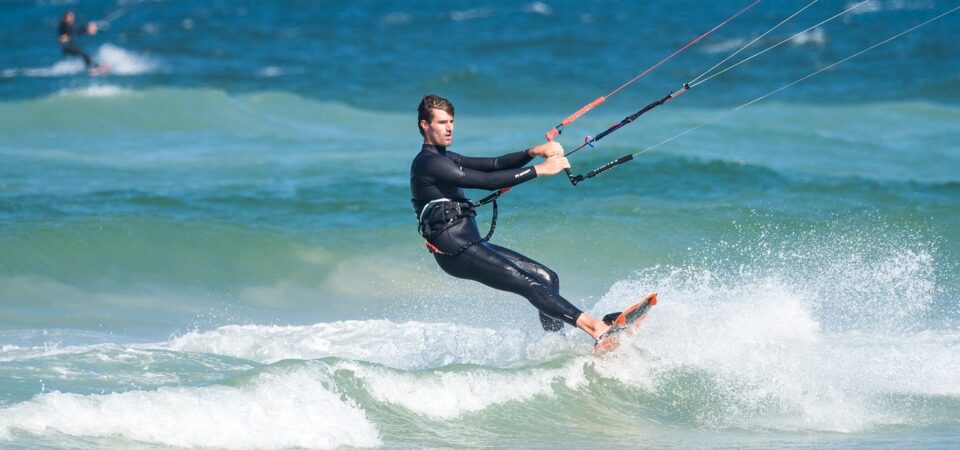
(437, 174)
(70, 47)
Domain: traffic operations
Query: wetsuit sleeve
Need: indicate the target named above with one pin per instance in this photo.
(70, 31)
(513, 160)
(446, 171)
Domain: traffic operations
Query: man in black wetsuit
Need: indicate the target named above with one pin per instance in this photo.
(437, 180)
(67, 33)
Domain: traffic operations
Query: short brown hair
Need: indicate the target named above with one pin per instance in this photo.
(429, 103)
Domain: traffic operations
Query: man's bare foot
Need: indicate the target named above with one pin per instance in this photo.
(594, 327)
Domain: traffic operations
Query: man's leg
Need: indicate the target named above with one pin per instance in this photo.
(543, 274)
(73, 50)
(484, 263)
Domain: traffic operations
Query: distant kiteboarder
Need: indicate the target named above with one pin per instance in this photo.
(67, 33)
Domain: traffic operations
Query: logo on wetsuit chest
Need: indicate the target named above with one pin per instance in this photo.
(522, 173)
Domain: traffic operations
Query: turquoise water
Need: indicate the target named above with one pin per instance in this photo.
(214, 246)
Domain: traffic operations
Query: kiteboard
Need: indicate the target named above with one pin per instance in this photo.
(624, 324)
(102, 69)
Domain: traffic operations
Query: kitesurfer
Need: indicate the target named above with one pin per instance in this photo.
(67, 33)
(437, 179)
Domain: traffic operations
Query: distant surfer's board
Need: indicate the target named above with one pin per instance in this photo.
(624, 324)
(102, 69)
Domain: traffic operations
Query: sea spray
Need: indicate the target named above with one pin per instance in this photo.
(279, 408)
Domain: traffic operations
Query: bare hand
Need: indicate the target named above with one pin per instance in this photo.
(547, 149)
(91, 28)
(552, 165)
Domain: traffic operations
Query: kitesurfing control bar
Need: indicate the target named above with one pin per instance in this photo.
(574, 179)
(578, 178)
(626, 120)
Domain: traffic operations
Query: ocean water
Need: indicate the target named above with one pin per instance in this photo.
(213, 246)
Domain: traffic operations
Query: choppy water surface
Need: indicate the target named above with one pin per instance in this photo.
(213, 246)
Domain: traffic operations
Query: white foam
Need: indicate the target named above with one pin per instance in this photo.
(538, 8)
(447, 395)
(124, 62)
(868, 7)
(121, 62)
(470, 14)
(815, 36)
(762, 343)
(410, 345)
(297, 408)
(99, 91)
(891, 5)
(58, 69)
(726, 46)
(14, 352)
(270, 71)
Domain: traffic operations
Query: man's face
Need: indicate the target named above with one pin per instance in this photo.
(438, 131)
(69, 18)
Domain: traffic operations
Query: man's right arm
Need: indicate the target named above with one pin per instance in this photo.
(446, 171)
(63, 31)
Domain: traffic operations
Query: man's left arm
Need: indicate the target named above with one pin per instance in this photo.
(513, 160)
